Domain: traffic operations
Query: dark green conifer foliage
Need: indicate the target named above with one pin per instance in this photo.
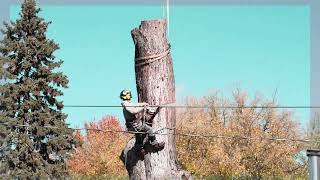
(29, 97)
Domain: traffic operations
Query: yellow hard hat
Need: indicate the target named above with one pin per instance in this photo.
(125, 95)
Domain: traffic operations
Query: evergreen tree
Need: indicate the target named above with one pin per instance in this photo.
(35, 140)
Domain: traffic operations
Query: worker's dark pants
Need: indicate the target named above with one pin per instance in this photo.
(149, 131)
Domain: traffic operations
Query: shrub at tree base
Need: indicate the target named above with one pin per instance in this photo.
(98, 157)
(231, 155)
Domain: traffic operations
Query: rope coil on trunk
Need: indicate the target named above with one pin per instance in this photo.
(151, 59)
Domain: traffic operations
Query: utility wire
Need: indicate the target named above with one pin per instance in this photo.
(180, 134)
(186, 106)
(196, 106)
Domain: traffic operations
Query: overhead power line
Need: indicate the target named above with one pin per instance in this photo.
(196, 106)
(184, 106)
(180, 134)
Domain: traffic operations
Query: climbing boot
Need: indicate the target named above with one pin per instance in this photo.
(142, 153)
(158, 146)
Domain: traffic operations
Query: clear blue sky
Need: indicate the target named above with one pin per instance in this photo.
(257, 48)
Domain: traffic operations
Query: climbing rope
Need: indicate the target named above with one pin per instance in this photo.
(166, 11)
(151, 58)
(168, 18)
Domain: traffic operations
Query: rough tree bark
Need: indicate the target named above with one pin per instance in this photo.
(155, 85)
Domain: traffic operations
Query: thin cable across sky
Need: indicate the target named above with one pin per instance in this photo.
(177, 134)
(195, 106)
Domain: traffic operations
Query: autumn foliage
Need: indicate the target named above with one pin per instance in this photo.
(98, 156)
(240, 148)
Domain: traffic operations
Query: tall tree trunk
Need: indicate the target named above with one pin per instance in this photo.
(155, 85)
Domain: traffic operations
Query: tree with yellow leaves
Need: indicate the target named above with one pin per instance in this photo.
(242, 144)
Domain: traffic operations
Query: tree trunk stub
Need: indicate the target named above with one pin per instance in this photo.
(156, 86)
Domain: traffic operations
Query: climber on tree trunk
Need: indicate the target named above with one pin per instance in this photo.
(137, 117)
